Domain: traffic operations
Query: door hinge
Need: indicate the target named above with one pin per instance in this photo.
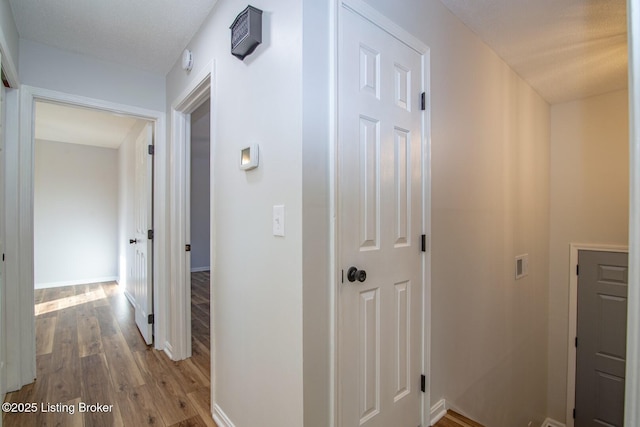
(150, 319)
(577, 269)
(342, 277)
(423, 383)
(574, 413)
(423, 243)
(576, 342)
(152, 150)
(187, 248)
(423, 101)
(2, 257)
(150, 234)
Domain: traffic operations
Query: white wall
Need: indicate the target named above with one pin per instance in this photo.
(257, 277)
(50, 68)
(490, 188)
(126, 202)
(200, 188)
(75, 214)
(589, 204)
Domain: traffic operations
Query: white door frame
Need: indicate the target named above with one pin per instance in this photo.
(21, 340)
(372, 15)
(573, 317)
(198, 91)
(632, 382)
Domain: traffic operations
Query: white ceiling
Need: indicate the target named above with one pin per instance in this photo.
(149, 35)
(565, 49)
(62, 123)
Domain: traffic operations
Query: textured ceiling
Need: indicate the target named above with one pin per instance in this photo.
(145, 34)
(61, 123)
(565, 49)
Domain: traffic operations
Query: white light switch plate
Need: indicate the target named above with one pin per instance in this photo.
(278, 220)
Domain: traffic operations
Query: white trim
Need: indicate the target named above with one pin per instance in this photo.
(14, 375)
(371, 14)
(573, 317)
(76, 282)
(438, 411)
(22, 312)
(552, 423)
(334, 252)
(168, 350)
(367, 12)
(200, 269)
(198, 91)
(632, 380)
(7, 64)
(221, 418)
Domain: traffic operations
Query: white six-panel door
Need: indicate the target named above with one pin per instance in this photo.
(143, 265)
(380, 226)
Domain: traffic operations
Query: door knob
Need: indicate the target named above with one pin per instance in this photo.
(132, 241)
(354, 274)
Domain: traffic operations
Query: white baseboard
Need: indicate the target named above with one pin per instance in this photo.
(130, 298)
(76, 282)
(199, 269)
(168, 349)
(552, 423)
(221, 418)
(438, 411)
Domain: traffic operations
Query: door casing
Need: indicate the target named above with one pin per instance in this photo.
(198, 91)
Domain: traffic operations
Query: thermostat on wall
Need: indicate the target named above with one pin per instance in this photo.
(249, 157)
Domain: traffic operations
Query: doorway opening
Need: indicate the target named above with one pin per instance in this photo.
(189, 107)
(21, 348)
(199, 233)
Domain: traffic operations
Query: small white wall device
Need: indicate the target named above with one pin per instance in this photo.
(187, 60)
(249, 157)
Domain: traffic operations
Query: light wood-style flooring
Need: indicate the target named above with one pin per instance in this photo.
(89, 350)
(454, 419)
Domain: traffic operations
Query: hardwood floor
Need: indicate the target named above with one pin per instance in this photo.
(89, 351)
(453, 419)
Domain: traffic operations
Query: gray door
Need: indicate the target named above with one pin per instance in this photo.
(601, 341)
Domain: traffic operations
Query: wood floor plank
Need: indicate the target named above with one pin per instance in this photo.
(108, 324)
(195, 421)
(89, 339)
(97, 390)
(137, 407)
(200, 355)
(65, 366)
(61, 414)
(454, 419)
(172, 400)
(201, 400)
(123, 370)
(45, 331)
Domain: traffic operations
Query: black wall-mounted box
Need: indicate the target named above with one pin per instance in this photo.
(246, 32)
